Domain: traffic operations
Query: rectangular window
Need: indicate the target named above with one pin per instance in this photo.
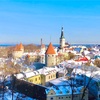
(49, 77)
(35, 79)
(31, 80)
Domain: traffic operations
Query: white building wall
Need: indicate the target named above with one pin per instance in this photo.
(62, 42)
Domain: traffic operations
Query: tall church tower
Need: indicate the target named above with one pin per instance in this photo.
(50, 56)
(62, 39)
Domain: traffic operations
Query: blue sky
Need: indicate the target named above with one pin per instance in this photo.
(28, 21)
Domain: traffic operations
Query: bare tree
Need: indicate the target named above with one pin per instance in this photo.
(3, 86)
(13, 84)
(86, 79)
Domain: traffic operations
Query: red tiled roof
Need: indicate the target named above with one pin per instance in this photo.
(82, 59)
(18, 47)
(50, 49)
(21, 46)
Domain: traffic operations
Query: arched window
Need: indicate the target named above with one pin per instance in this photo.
(51, 98)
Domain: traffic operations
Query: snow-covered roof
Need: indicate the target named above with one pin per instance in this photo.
(44, 71)
(86, 52)
(61, 81)
(47, 70)
(91, 71)
(64, 90)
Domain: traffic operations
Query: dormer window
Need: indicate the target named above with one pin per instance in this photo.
(51, 93)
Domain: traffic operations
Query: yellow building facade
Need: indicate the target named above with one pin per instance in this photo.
(42, 78)
(35, 79)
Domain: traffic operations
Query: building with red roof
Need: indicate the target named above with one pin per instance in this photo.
(50, 56)
(18, 51)
(50, 49)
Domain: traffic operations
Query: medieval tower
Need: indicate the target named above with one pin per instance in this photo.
(50, 56)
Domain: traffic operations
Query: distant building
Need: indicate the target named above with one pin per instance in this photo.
(63, 43)
(30, 58)
(43, 47)
(52, 56)
(18, 51)
(62, 39)
(42, 52)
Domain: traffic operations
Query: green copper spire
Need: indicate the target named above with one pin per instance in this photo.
(62, 33)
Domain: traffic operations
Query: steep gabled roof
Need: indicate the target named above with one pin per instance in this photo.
(50, 49)
(21, 46)
(18, 47)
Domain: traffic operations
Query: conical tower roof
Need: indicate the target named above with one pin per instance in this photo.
(50, 49)
(62, 33)
(21, 46)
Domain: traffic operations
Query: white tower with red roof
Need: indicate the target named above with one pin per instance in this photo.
(50, 56)
(18, 51)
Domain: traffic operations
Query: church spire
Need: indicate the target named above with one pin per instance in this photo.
(62, 39)
(41, 41)
(62, 33)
